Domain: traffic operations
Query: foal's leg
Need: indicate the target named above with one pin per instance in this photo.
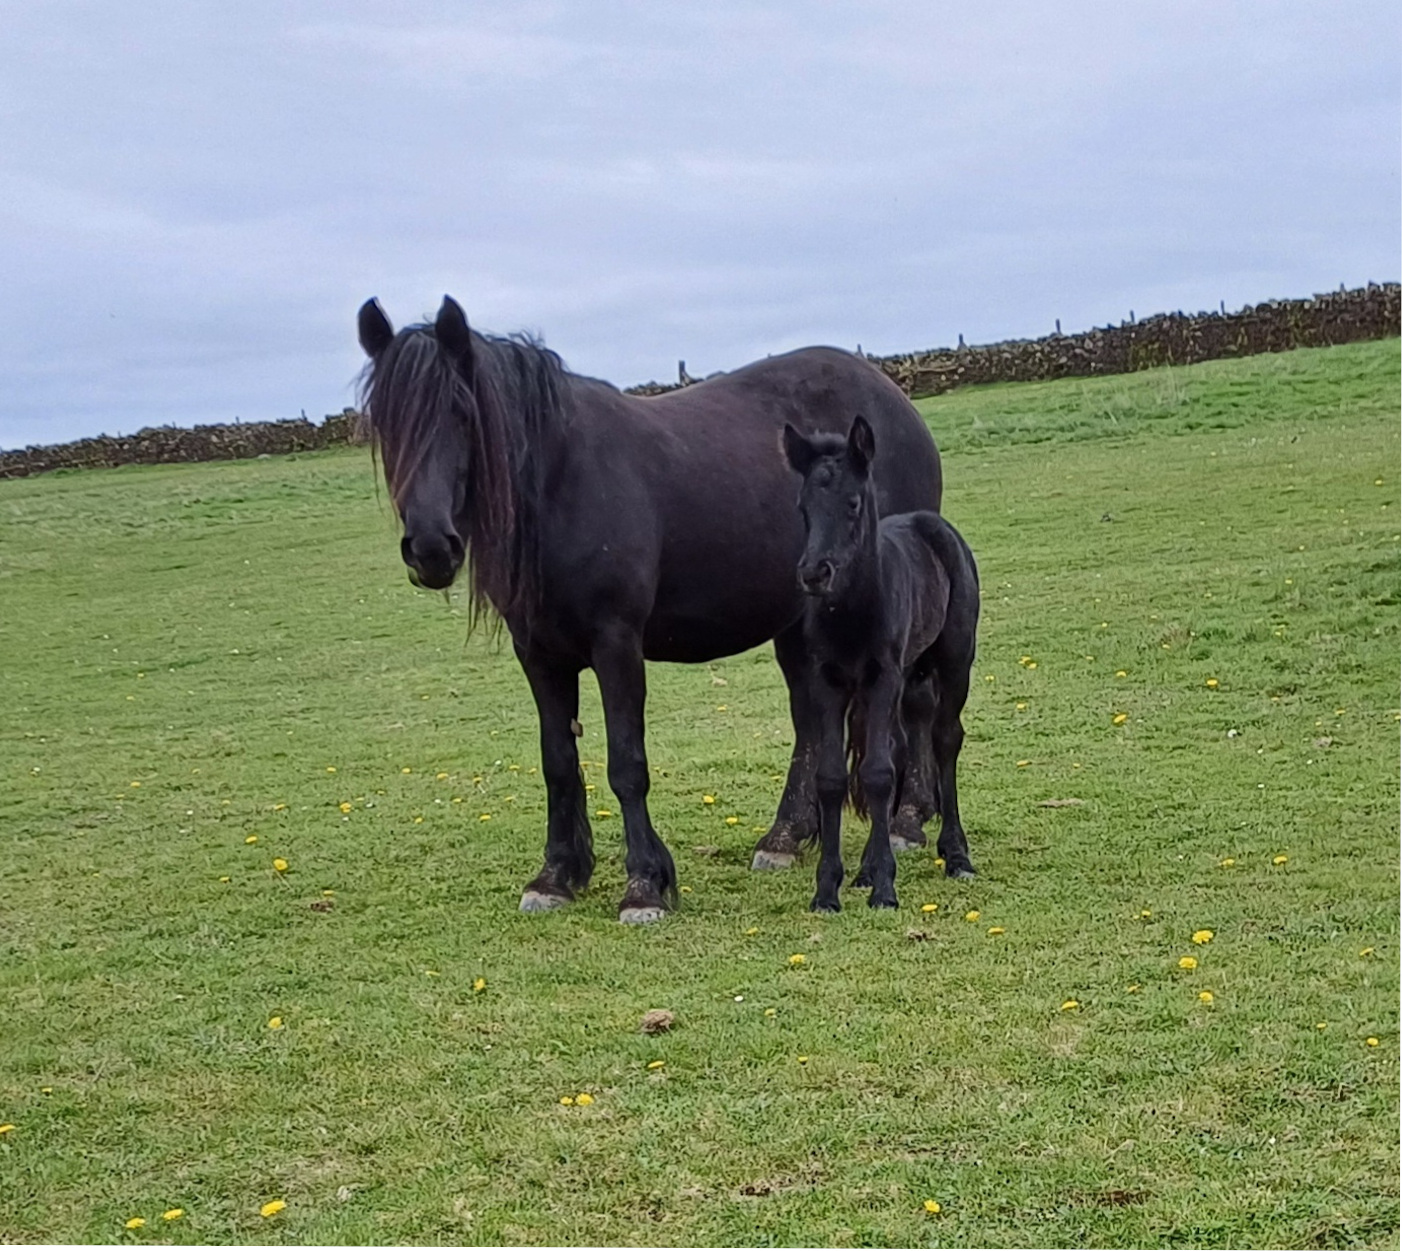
(569, 852)
(952, 684)
(878, 772)
(652, 877)
(916, 802)
(796, 821)
(831, 781)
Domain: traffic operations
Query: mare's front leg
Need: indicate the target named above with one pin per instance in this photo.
(652, 877)
(878, 774)
(569, 851)
(796, 820)
(831, 782)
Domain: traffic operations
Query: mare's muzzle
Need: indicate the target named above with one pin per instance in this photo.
(433, 560)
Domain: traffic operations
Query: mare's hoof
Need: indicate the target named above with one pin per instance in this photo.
(776, 850)
(907, 830)
(825, 905)
(960, 868)
(540, 901)
(640, 915)
(882, 901)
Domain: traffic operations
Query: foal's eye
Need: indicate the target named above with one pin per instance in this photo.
(854, 505)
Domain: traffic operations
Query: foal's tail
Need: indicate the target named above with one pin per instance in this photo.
(856, 750)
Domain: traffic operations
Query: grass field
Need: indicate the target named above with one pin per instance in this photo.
(1190, 627)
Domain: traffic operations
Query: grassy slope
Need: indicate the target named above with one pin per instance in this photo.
(226, 634)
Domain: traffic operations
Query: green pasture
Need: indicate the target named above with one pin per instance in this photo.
(1190, 640)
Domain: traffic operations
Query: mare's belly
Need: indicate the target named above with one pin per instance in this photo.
(706, 633)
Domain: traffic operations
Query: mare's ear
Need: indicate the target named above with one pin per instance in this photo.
(798, 451)
(453, 335)
(374, 328)
(861, 444)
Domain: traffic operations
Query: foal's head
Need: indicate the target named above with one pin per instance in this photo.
(838, 503)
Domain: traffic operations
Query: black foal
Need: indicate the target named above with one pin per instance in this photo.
(891, 603)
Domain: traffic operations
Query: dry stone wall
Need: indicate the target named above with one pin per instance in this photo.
(1371, 312)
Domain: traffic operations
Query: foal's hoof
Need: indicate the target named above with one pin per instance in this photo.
(825, 905)
(539, 901)
(958, 868)
(776, 850)
(875, 900)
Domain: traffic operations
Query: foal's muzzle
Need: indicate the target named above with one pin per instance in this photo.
(433, 560)
(816, 579)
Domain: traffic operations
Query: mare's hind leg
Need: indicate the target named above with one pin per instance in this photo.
(796, 822)
(652, 876)
(947, 738)
(569, 852)
(916, 803)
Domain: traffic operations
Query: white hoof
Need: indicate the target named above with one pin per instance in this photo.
(535, 901)
(766, 860)
(640, 916)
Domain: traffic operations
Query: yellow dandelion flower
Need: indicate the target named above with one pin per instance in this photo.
(685, 890)
(1366, 952)
(1133, 988)
(1227, 863)
(567, 1101)
(1070, 1005)
(418, 820)
(1372, 1042)
(479, 985)
(1202, 937)
(344, 807)
(46, 1090)
(803, 1059)
(486, 816)
(1212, 682)
(1023, 660)
(997, 929)
(1022, 764)
(771, 1012)
(172, 1214)
(1321, 1025)
(137, 786)
(330, 768)
(1204, 996)
(939, 862)
(275, 1022)
(1119, 718)
(406, 769)
(932, 1207)
(1122, 673)
(1145, 915)
(583, 1100)
(656, 1064)
(328, 893)
(603, 812)
(7, 1129)
(722, 707)
(136, 1222)
(1021, 707)
(930, 907)
(752, 931)
(708, 799)
(252, 838)
(279, 807)
(796, 959)
(972, 915)
(272, 1209)
(1188, 962)
(280, 864)
(732, 820)
(443, 777)
(225, 879)
(432, 973)
(1031, 664)
(1279, 859)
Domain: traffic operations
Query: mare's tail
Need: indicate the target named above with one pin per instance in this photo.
(856, 751)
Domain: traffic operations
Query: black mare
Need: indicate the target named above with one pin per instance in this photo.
(890, 624)
(608, 529)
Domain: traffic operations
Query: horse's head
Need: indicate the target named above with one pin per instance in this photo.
(838, 503)
(418, 394)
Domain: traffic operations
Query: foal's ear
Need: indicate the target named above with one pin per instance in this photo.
(861, 444)
(453, 335)
(798, 451)
(374, 328)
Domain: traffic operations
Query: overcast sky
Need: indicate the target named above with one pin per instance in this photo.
(196, 197)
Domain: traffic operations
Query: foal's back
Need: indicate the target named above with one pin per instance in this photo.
(929, 581)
